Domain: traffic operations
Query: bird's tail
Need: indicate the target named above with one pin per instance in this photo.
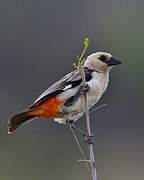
(22, 118)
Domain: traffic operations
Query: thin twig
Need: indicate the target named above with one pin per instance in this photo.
(81, 160)
(80, 58)
(87, 113)
(94, 109)
(90, 145)
(81, 150)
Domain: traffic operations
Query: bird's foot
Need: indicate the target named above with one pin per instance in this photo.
(84, 89)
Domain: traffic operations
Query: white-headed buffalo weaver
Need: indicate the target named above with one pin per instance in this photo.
(63, 101)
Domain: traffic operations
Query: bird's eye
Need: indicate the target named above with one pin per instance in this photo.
(103, 58)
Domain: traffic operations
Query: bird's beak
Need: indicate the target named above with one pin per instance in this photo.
(113, 61)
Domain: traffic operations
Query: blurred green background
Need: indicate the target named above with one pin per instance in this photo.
(39, 40)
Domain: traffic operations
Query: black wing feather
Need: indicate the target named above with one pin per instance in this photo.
(74, 79)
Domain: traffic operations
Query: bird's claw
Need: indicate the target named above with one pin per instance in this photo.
(84, 88)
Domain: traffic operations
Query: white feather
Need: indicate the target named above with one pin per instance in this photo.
(67, 87)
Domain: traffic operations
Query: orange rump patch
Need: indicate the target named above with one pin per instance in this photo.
(51, 108)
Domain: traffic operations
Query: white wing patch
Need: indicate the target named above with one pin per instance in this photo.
(67, 87)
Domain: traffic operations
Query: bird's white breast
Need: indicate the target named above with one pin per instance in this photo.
(98, 85)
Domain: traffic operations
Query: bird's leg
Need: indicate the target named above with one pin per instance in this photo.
(71, 124)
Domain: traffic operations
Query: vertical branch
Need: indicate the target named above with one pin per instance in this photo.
(79, 66)
(90, 145)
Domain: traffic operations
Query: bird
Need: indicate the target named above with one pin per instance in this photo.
(64, 101)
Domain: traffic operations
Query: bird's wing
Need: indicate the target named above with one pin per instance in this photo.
(69, 81)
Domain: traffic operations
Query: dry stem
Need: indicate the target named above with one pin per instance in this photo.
(90, 145)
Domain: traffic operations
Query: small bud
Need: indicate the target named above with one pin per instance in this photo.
(86, 42)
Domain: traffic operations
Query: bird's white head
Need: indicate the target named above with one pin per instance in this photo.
(101, 62)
